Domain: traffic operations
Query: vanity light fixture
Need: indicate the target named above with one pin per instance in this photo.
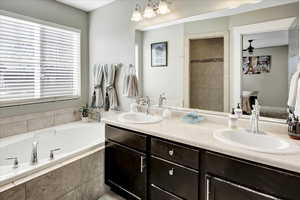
(163, 7)
(149, 10)
(137, 15)
(152, 9)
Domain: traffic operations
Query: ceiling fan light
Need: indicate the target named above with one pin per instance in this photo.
(149, 12)
(163, 7)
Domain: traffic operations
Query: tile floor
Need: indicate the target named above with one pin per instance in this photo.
(111, 196)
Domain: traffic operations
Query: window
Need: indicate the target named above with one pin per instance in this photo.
(38, 62)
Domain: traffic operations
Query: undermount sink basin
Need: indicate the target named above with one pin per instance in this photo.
(256, 142)
(139, 118)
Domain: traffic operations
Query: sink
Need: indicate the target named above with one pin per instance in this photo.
(256, 142)
(139, 118)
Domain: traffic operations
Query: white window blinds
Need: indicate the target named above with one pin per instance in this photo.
(37, 62)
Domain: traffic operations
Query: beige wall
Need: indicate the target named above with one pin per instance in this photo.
(52, 11)
(273, 86)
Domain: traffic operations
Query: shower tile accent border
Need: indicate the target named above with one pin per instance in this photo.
(15, 125)
(208, 60)
(79, 180)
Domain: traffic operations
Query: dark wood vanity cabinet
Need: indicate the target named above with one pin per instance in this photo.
(125, 163)
(146, 167)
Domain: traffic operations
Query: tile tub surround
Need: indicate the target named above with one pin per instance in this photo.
(82, 179)
(25, 123)
(201, 136)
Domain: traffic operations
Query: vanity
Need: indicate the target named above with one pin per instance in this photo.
(149, 162)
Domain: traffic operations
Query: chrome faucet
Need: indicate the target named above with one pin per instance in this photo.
(34, 154)
(148, 105)
(145, 102)
(161, 100)
(254, 119)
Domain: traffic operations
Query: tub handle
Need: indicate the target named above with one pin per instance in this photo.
(16, 162)
(52, 153)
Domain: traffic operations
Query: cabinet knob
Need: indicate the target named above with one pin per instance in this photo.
(171, 152)
(171, 172)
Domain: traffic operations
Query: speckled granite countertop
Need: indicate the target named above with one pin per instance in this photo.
(201, 135)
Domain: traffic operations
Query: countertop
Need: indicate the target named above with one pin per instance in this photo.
(201, 135)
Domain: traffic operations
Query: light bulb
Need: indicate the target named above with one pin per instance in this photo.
(136, 16)
(163, 7)
(149, 12)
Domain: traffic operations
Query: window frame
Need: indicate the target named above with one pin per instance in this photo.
(47, 99)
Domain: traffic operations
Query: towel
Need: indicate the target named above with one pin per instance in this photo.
(109, 72)
(294, 89)
(97, 98)
(130, 83)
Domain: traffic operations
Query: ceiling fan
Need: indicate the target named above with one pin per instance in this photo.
(250, 49)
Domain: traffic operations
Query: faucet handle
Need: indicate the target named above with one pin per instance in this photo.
(52, 153)
(16, 162)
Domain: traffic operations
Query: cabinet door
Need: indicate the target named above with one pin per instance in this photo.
(218, 189)
(126, 170)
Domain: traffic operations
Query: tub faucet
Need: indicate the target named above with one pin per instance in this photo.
(34, 154)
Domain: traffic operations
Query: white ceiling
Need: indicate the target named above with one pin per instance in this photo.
(271, 39)
(201, 5)
(86, 5)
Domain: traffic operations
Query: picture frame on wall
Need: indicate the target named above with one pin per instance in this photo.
(159, 54)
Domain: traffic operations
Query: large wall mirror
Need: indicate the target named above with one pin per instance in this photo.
(215, 64)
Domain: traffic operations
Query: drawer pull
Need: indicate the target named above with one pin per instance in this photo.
(171, 172)
(143, 165)
(171, 152)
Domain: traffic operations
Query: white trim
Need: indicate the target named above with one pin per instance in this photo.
(236, 50)
(34, 20)
(186, 71)
(222, 13)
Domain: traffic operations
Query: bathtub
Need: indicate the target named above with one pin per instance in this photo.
(73, 139)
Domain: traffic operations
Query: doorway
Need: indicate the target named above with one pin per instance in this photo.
(207, 74)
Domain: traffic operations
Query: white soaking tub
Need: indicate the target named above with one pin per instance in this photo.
(73, 139)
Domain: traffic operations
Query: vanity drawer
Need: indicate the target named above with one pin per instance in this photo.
(181, 181)
(125, 137)
(176, 153)
(159, 194)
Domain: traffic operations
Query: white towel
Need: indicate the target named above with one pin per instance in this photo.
(297, 103)
(293, 96)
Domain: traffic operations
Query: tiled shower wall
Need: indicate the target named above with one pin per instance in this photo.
(80, 180)
(24, 123)
(207, 74)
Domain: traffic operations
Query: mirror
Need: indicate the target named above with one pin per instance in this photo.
(215, 64)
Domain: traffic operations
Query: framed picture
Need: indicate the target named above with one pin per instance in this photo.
(159, 54)
(256, 64)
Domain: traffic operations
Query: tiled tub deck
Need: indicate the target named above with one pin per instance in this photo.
(82, 179)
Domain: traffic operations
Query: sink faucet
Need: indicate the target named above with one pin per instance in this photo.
(145, 102)
(254, 119)
(148, 105)
(161, 99)
(34, 154)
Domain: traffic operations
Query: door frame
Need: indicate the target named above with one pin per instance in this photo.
(186, 71)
